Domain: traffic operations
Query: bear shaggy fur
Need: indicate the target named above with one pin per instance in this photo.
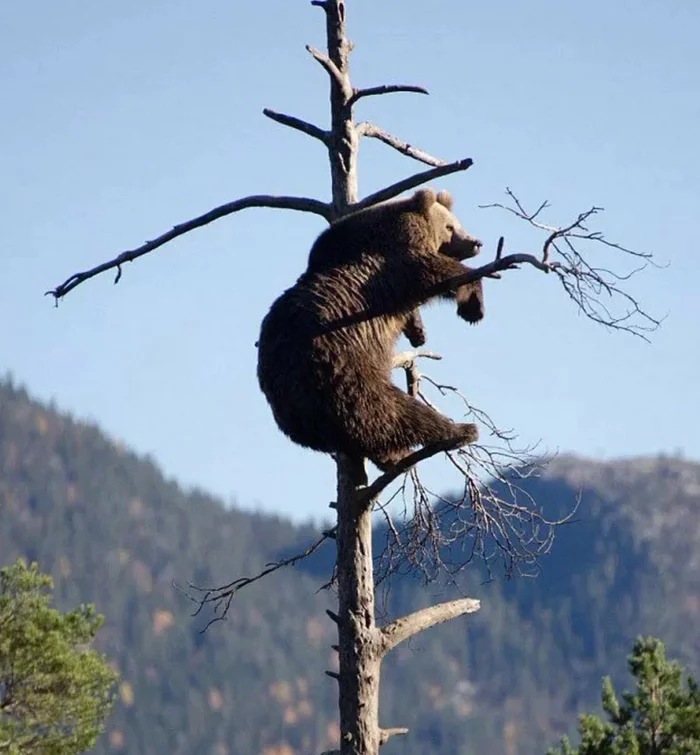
(470, 302)
(326, 346)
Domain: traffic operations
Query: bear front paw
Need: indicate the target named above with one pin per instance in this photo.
(471, 310)
(467, 432)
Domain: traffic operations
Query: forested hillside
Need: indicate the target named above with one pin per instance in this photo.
(112, 530)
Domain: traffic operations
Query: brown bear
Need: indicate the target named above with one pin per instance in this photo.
(326, 346)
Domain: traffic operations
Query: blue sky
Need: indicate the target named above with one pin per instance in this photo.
(122, 119)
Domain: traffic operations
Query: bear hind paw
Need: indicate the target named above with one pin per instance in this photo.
(463, 435)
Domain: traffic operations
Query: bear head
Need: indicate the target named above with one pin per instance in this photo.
(449, 236)
(421, 221)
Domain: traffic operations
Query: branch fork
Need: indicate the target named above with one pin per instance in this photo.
(332, 70)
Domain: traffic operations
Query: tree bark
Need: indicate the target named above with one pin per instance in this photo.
(359, 653)
(343, 142)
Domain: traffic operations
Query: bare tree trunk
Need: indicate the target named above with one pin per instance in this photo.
(343, 142)
(360, 659)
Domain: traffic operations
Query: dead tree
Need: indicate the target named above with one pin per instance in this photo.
(514, 529)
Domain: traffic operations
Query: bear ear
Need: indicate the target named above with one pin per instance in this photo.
(423, 200)
(445, 199)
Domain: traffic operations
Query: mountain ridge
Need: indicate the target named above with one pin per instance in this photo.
(113, 530)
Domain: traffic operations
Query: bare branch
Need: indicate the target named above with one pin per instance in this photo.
(374, 132)
(493, 518)
(331, 68)
(222, 596)
(411, 182)
(595, 289)
(372, 491)
(302, 204)
(298, 124)
(386, 89)
(405, 627)
(511, 262)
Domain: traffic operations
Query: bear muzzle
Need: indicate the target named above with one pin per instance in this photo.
(462, 247)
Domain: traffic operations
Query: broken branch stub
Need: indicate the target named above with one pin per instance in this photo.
(406, 627)
(298, 124)
(386, 89)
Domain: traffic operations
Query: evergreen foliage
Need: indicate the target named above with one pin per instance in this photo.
(55, 692)
(662, 716)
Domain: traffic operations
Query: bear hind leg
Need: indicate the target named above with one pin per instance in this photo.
(413, 424)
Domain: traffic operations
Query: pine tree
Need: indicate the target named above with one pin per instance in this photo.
(662, 716)
(55, 692)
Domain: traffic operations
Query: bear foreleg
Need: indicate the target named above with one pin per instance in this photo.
(469, 297)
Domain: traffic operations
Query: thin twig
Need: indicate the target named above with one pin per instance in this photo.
(223, 595)
(298, 124)
(495, 516)
(374, 132)
(596, 290)
(302, 204)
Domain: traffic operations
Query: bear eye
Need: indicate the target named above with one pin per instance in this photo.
(450, 228)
